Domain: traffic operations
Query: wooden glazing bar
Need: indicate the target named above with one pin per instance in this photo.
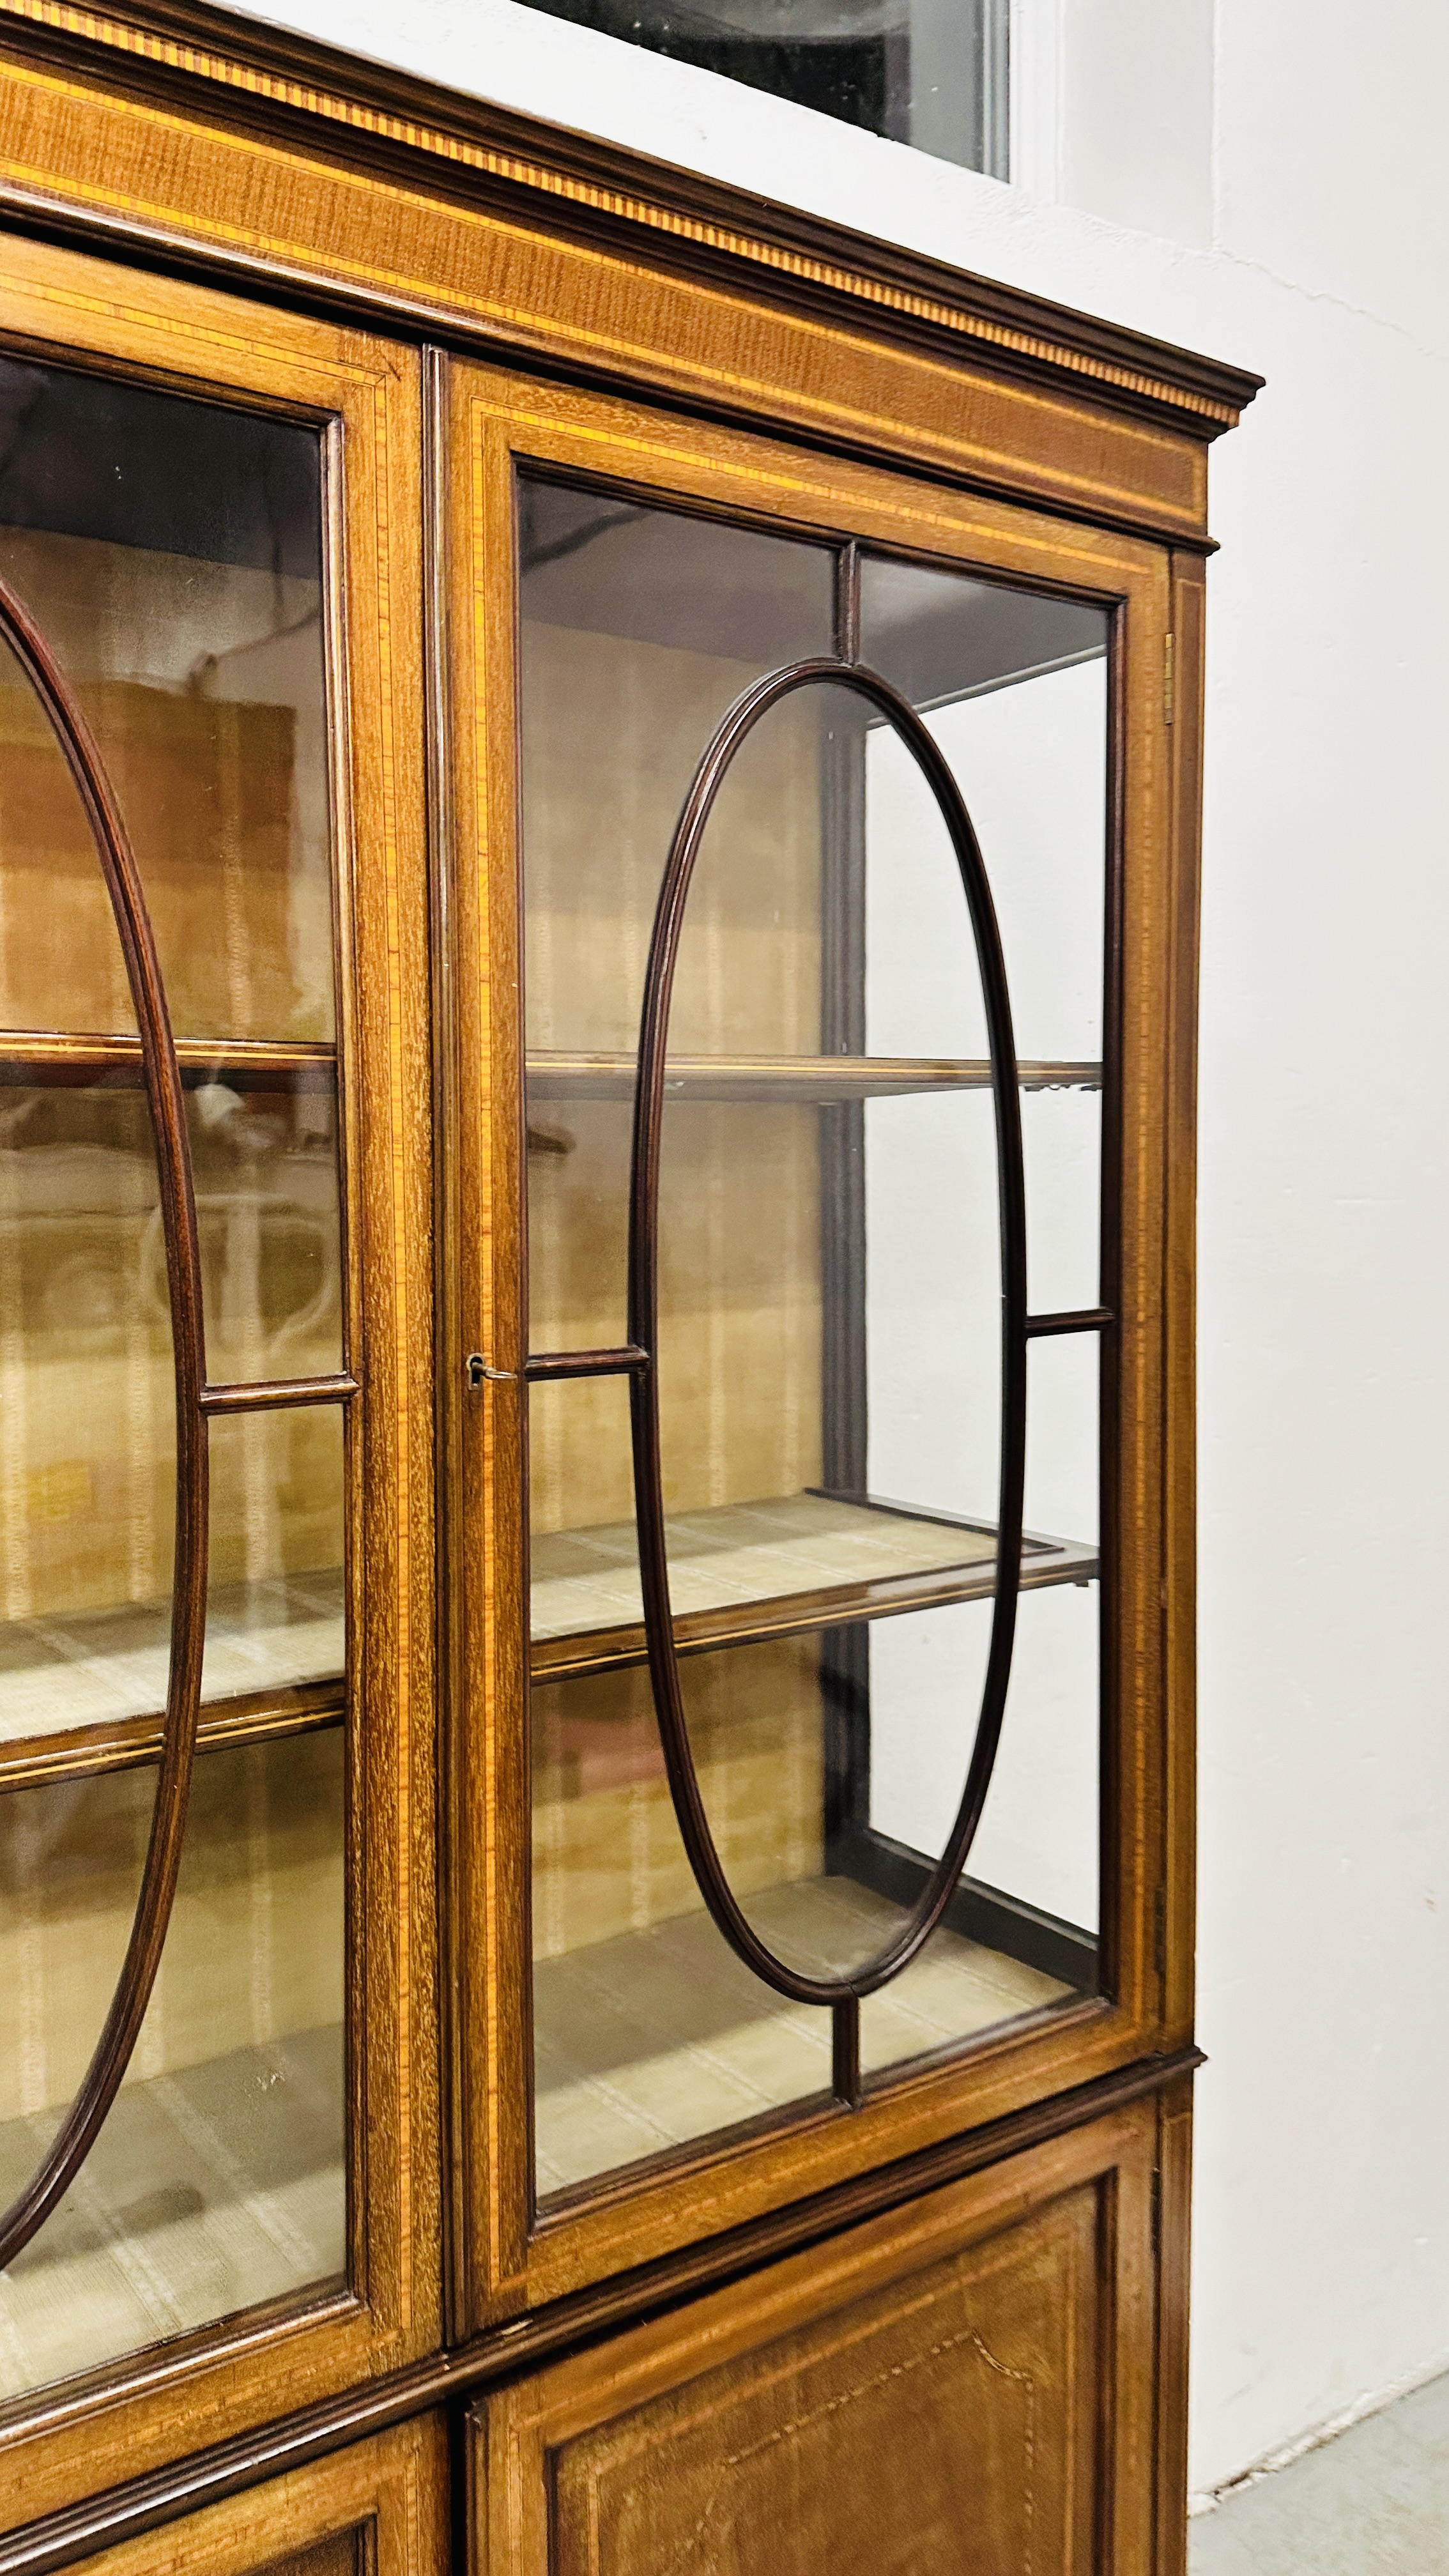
(53, 1056)
(270, 1394)
(159, 1074)
(1076, 1319)
(556, 1659)
(134, 1743)
(845, 2051)
(605, 1363)
(822, 1078)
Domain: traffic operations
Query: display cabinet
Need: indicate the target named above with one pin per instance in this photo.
(597, 951)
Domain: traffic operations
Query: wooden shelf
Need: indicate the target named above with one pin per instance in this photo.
(130, 1743)
(53, 1056)
(85, 1694)
(820, 1079)
(779, 1567)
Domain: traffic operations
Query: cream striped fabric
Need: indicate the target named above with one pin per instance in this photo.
(207, 2191)
(656, 2038)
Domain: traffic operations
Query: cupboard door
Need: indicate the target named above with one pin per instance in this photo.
(214, 1464)
(966, 2382)
(810, 943)
(379, 2509)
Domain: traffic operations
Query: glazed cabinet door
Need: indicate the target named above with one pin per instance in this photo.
(379, 2509)
(811, 893)
(964, 2383)
(214, 1396)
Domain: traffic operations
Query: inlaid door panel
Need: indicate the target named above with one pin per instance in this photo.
(379, 2509)
(966, 2383)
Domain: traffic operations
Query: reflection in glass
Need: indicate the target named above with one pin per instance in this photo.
(639, 628)
(276, 1603)
(170, 552)
(647, 2031)
(86, 1635)
(932, 73)
(87, 1386)
(1014, 688)
(218, 2178)
(264, 1166)
(828, 1350)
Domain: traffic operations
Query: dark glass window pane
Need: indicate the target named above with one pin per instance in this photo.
(928, 72)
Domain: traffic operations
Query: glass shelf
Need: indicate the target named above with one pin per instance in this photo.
(555, 1075)
(778, 1567)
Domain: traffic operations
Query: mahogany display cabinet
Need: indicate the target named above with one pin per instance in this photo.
(598, 894)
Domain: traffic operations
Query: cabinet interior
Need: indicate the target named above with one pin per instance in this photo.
(183, 597)
(813, 1089)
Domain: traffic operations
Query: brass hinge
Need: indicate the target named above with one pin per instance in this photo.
(1169, 656)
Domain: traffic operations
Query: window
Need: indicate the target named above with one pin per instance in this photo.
(928, 72)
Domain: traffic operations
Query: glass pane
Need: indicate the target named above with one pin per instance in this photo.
(87, 1389)
(170, 552)
(1030, 1893)
(584, 1560)
(829, 1334)
(81, 1650)
(276, 1606)
(928, 72)
(1013, 685)
(264, 1167)
(1014, 688)
(218, 2180)
(1020, 1934)
(80, 1207)
(639, 628)
(647, 2032)
(821, 1759)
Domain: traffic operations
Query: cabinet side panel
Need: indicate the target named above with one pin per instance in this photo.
(1174, 2188)
(1189, 607)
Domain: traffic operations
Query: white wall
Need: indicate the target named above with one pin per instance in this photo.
(1263, 179)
